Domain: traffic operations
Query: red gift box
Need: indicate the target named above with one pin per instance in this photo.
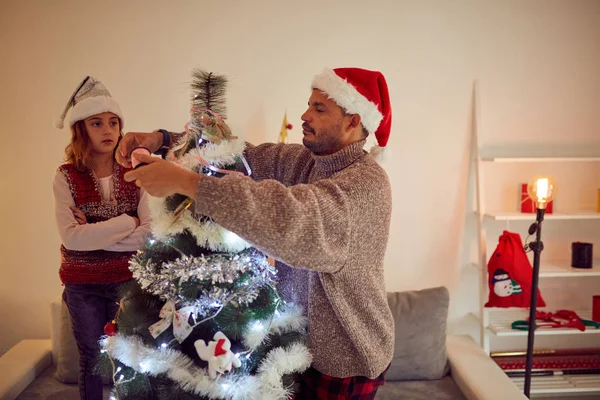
(528, 205)
(596, 308)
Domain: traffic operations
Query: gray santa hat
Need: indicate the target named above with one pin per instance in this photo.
(90, 98)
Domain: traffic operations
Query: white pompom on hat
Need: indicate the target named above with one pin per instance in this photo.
(90, 98)
(363, 92)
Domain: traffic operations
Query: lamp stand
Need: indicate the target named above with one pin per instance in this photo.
(537, 249)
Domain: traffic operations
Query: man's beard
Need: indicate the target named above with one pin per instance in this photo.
(327, 142)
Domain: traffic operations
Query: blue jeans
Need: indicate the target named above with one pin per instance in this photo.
(91, 306)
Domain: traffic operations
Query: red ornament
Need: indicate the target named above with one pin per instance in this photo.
(289, 126)
(110, 329)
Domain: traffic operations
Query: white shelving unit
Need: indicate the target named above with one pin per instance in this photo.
(539, 159)
(517, 216)
(562, 269)
(562, 386)
(496, 323)
(501, 324)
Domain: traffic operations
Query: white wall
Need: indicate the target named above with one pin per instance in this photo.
(537, 62)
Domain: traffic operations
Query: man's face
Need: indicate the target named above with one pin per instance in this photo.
(326, 129)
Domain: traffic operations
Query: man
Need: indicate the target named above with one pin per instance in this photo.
(322, 210)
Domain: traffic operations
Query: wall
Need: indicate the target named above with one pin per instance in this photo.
(537, 63)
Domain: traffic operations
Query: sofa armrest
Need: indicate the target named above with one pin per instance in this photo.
(476, 374)
(22, 364)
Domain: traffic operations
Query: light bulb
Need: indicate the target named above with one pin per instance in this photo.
(541, 189)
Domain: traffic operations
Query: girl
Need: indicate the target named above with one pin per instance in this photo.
(101, 219)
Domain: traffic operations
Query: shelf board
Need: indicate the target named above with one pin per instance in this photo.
(562, 384)
(560, 269)
(518, 216)
(540, 159)
(501, 320)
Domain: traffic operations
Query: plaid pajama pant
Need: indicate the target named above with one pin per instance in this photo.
(317, 386)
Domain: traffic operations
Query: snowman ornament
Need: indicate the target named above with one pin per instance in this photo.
(503, 285)
(218, 354)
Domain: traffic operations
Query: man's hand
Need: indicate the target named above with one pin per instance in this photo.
(161, 178)
(152, 141)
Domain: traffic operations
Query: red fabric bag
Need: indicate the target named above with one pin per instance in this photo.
(509, 274)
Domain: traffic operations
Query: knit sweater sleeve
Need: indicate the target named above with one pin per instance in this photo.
(137, 239)
(270, 160)
(85, 237)
(305, 225)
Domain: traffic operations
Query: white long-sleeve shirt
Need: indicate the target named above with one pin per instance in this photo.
(115, 234)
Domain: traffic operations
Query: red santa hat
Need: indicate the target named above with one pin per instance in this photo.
(363, 92)
(90, 98)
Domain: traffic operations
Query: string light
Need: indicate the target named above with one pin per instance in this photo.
(257, 326)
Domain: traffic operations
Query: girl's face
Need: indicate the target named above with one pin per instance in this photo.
(103, 130)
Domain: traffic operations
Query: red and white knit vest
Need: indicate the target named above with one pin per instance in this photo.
(98, 266)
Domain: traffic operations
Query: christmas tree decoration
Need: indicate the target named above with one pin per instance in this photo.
(202, 318)
(218, 355)
(134, 161)
(285, 127)
(110, 329)
(179, 319)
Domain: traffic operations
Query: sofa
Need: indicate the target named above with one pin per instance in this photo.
(427, 363)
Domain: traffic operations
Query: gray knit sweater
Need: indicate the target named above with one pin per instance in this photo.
(328, 217)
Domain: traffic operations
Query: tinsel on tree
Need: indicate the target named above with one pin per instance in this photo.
(203, 318)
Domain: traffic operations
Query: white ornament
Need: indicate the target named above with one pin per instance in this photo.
(218, 354)
(179, 318)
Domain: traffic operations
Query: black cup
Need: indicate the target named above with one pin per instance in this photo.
(581, 255)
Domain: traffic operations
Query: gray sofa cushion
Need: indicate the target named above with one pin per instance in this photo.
(441, 389)
(67, 362)
(420, 323)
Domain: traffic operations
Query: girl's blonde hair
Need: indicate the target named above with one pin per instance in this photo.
(77, 151)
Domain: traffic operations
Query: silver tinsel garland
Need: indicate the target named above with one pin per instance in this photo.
(218, 271)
